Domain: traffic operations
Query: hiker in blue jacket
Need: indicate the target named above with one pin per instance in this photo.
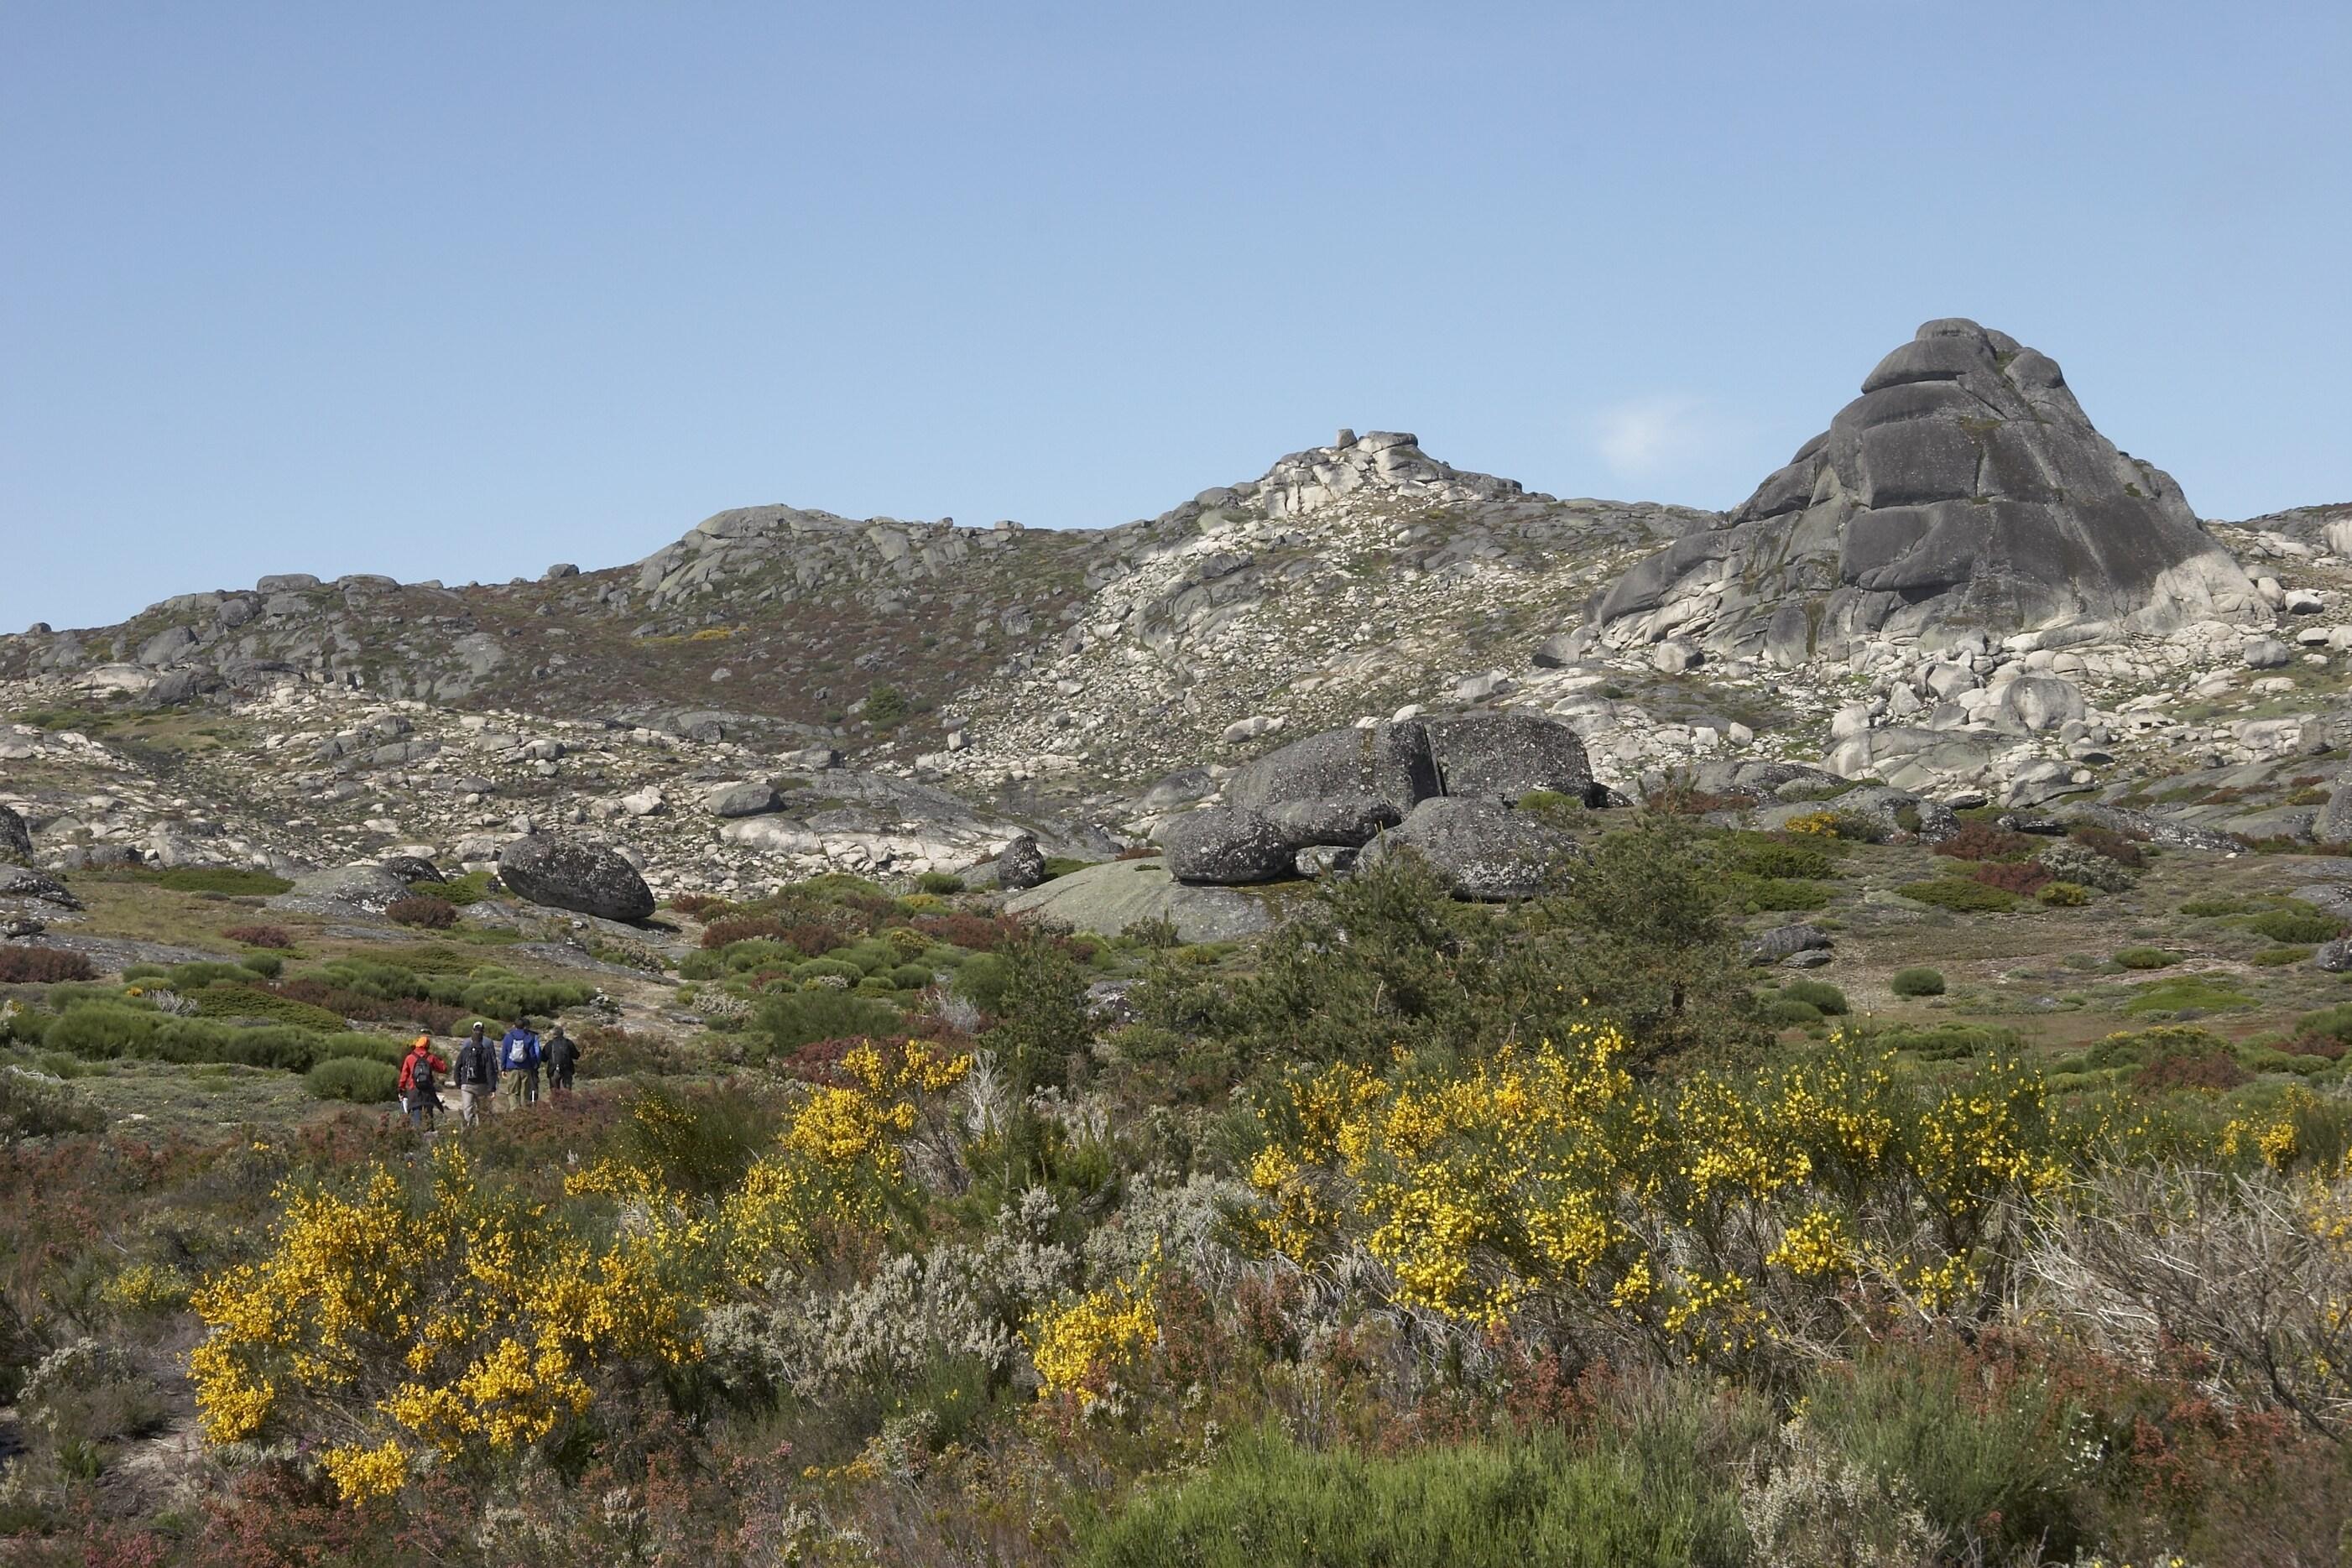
(519, 1058)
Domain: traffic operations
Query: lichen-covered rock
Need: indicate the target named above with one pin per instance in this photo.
(16, 839)
(342, 888)
(1352, 821)
(1021, 865)
(1484, 850)
(1503, 756)
(1784, 943)
(573, 874)
(1112, 897)
(1389, 762)
(747, 799)
(1222, 846)
(1964, 491)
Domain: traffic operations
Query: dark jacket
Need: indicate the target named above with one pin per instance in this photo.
(562, 1054)
(478, 1065)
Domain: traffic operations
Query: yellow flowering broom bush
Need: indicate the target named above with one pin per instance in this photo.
(1706, 1218)
(406, 1317)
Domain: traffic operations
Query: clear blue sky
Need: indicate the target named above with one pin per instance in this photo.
(458, 290)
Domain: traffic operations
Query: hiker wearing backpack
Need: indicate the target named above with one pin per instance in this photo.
(420, 1088)
(562, 1055)
(477, 1075)
(518, 1059)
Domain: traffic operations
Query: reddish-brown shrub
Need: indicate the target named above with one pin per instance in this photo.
(433, 913)
(1983, 842)
(2011, 876)
(744, 928)
(39, 965)
(260, 935)
(814, 939)
(700, 904)
(2314, 1045)
(1139, 853)
(979, 933)
(2108, 843)
(2212, 1069)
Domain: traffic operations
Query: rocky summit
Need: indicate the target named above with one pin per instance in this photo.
(1963, 493)
(1960, 591)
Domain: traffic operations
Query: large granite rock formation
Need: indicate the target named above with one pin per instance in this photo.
(567, 874)
(1964, 491)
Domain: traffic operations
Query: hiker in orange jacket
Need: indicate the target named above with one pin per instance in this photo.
(420, 1084)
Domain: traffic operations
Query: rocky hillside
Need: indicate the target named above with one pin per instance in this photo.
(1959, 588)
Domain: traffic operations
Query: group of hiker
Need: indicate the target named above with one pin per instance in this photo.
(509, 1068)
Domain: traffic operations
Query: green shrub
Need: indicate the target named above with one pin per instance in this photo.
(371, 1047)
(939, 882)
(886, 704)
(1553, 807)
(1987, 1461)
(910, 977)
(1919, 981)
(827, 969)
(1819, 993)
(471, 888)
(2207, 908)
(2299, 923)
(31, 1107)
(2332, 1023)
(1788, 1012)
(2146, 959)
(504, 996)
(2065, 895)
(1764, 856)
(269, 965)
(233, 1001)
(2187, 993)
(871, 954)
(877, 985)
(134, 973)
(2277, 958)
(1267, 1503)
(802, 1018)
(355, 1078)
(1063, 865)
(1759, 895)
(1944, 1042)
(104, 1031)
(1962, 896)
(188, 979)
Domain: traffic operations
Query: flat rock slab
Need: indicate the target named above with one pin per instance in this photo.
(1109, 897)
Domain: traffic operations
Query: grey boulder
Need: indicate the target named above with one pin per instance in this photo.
(2336, 957)
(2334, 824)
(573, 874)
(1503, 756)
(411, 868)
(749, 799)
(1222, 846)
(2034, 703)
(1484, 850)
(339, 888)
(1390, 761)
(1351, 822)
(1021, 865)
(1783, 944)
(1109, 897)
(16, 839)
(22, 882)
